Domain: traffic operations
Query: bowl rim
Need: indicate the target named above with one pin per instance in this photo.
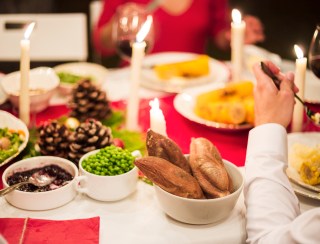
(190, 200)
(23, 161)
(35, 71)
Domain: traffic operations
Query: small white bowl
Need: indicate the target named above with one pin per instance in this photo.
(43, 80)
(202, 211)
(41, 200)
(107, 188)
(97, 72)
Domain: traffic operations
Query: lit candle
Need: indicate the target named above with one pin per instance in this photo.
(138, 51)
(24, 99)
(238, 28)
(157, 120)
(299, 79)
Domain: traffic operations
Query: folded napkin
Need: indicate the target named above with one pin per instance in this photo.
(28, 230)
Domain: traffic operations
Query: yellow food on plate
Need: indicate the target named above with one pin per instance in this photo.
(232, 104)
(187, 69)
(306, 160)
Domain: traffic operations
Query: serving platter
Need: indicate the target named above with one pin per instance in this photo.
(218, 72)
(11, 122)
(185, 101)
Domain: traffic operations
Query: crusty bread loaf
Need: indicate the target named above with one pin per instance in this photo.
(163, 147)
(169, 177)
(207, 166)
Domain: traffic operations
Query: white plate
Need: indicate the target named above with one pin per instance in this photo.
(11, 122)
(255, 54)
(309, 139)
(305, 192)
(84, 69)
(218, 72)
(185, 102)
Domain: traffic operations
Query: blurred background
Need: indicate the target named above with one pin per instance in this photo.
(286, 23)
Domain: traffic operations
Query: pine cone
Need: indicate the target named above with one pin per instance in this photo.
(54, 139)
(89, 102)
(89, 136)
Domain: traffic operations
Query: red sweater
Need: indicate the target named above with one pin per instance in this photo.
(188, 32)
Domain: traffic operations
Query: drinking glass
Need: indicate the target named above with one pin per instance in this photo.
(314, 52)
(127, 23)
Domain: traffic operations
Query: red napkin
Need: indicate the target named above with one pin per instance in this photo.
(84, 231)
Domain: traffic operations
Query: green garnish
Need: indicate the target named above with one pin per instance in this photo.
(16, 138)
(69, 78)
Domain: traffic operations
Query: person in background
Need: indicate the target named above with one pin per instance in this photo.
(273, 214)
(182, 26)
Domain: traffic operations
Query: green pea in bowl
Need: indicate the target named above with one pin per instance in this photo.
(108, 174)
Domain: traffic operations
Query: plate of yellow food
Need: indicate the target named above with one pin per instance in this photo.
(14, 136)
(175, 71)
(225, 106)
(304, 162)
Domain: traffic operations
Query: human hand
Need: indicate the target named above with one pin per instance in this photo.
(254, 30)
(273, 105)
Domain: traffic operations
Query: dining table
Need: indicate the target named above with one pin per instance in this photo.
(139, 217)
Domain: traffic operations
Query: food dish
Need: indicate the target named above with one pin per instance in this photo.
(97, 72)
(218, 72)
(10, 121)
(309, 139)
(295, 177)
(184, 104)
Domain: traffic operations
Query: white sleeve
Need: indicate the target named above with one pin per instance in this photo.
(273, 214)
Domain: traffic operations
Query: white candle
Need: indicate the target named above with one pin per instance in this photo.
(138, 52)
(157, 120)
(238, 28)
(300, 75)
(24, 99)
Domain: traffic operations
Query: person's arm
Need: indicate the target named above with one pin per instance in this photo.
(273, 214)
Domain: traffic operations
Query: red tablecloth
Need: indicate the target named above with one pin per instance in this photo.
(232, 144)
(20, 230)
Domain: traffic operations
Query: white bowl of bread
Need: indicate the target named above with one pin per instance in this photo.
(200, 188)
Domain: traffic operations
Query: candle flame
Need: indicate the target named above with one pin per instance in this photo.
(236, 16)
(29, 30)
(298, 51)
(154, 104)
(143, 32)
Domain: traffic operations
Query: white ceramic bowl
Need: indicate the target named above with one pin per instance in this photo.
(107, 188)
(97, 72)
(202, 211)
(43, 80)
(41, 200)
(9, 121)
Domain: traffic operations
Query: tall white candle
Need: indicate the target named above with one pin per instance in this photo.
(238, 28)
(133, 99)
(24, 99)
(300, 75)
(138, 52)
(157, 120)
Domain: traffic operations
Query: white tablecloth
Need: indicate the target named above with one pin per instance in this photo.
(139, 219)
